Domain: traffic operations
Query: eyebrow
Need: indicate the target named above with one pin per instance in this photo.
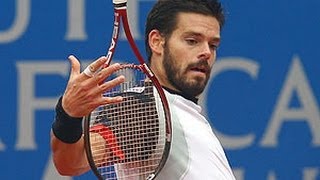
(196, 34)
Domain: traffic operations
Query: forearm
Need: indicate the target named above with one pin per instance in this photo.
(69, 159)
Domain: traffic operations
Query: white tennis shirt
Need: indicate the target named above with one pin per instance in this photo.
(195, 153)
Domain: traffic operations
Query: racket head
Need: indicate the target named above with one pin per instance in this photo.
(131, 138)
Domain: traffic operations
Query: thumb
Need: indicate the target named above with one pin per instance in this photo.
(75, 66)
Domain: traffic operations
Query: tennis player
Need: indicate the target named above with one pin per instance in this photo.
(181, 39)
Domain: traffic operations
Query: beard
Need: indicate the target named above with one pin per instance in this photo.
(178, 77)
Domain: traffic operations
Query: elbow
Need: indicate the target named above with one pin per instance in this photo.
(69, 159)
(65, 170)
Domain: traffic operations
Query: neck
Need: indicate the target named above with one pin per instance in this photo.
(191, 98)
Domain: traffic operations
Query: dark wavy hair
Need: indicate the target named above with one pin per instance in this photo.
(163, 16)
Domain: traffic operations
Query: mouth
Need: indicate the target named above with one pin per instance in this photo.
(200, 69)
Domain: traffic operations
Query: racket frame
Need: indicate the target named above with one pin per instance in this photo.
(120, 15)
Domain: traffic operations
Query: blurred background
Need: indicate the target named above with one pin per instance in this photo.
(263, 98)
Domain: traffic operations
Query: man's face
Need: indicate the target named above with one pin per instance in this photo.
(190, 53)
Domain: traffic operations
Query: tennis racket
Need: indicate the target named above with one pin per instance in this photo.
(130, 139)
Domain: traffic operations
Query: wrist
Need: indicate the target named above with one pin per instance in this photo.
(66, 128)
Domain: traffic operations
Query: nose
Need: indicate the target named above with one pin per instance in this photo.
(206, 52)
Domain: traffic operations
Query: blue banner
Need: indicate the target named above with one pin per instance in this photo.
(262, 100)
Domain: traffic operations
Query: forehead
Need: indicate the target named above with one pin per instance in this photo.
(198, 24)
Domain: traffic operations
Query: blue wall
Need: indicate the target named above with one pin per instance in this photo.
(263, 99)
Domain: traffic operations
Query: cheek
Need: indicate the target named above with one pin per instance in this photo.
(178, 58)
(181, 64)
(212, 62)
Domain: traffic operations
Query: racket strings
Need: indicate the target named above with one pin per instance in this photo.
(131, 130)
(100, 114)
(134, 172)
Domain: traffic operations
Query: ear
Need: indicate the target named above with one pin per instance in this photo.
(156, 42)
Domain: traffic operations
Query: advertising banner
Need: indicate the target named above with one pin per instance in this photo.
(262, 100)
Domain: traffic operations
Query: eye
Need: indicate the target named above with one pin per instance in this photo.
(191, 41)
(213, 46)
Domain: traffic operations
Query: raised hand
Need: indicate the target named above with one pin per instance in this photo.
(84, 90)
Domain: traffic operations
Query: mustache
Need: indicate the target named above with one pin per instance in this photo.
(200, 64)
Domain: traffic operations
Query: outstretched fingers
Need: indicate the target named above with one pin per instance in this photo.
(108, 85)
(84, 91)
(75, 66)
(94, 67)
(102, 75)
(97, 85)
